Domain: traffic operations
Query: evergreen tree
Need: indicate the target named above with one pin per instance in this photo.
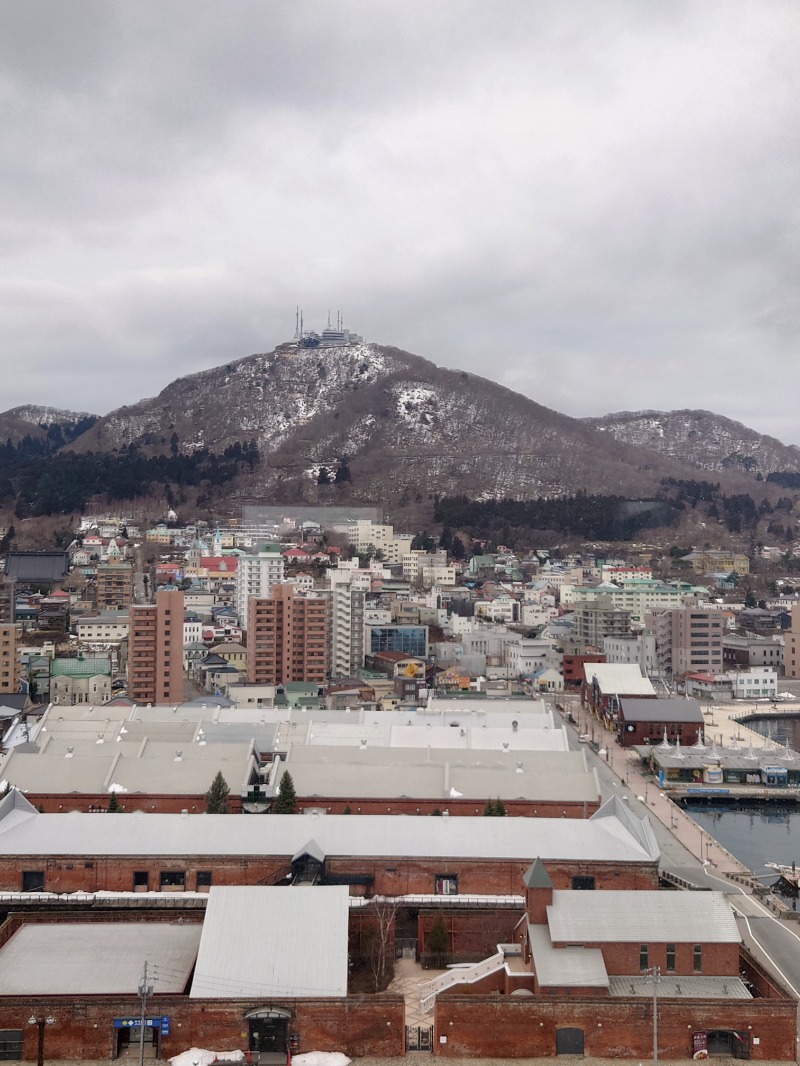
(437, 942)
(217, 795)
(286, 800)
(457, 549)
(494, 809)
(113, 804)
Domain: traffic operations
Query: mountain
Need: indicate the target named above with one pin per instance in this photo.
(701, 439)
(35, 422)
(395, 426)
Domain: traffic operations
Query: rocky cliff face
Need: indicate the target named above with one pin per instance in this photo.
(701, 439)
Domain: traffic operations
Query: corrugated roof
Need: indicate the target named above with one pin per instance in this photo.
(642, 916)
(282, 942)
(572, 967)
(672, 987)
(666, 710)
(94, 958)
(568, 839)
(619, 679)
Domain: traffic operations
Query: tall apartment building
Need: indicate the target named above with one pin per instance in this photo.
(114, 584)
(600, 619)
(8, 588)
(9, 667)
(688, 640)
(791, 651)
(256, 576)
(287, 637)
(347, 600)
(155, 650)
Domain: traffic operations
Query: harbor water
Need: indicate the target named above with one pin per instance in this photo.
(755, 835)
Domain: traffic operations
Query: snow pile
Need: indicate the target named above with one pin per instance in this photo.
(116, 788)
(197, 1056)
(321, 1058)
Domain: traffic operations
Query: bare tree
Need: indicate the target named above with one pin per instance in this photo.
(380, 949)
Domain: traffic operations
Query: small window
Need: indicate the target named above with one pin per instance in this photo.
(10, 1044)
(141, 881)
(173, 880)
(33, 880)
(203, 880)
(670, 958)
(583, 883)
(644, 957)
(446, 885)
(698, 958)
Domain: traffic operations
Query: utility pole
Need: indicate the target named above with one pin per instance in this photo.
(145, 990)
(655, 975)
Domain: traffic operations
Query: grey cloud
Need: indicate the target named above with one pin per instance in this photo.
(596, 205)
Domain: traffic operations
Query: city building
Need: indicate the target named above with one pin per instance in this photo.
(255, 577)
(287, 637)
(707, 562)
(155, 649)
(600, 619)
(9, 664)
(80, 679)
(348, 591)
(114, 584)
(741, 651)
(646, 721)
(8, 591)
(688, 640)
(109, 627)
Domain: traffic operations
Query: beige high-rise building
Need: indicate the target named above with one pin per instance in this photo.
(8, 589)
(791, 651)
(287, 637)
(114, 586)
(9, 667)
(688, 640)
(155, 650)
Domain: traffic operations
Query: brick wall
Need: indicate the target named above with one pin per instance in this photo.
(472, 934)
(83, 1028)
(506, 1027)
(153, 803)
(391, 876)
(455, 807)
(718, 959)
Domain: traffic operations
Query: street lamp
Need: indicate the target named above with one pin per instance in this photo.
(40, 1023)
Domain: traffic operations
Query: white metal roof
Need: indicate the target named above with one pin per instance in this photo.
(94, 958)
(624, 679)
(430, 781)
(452, 736)
(158, 768)
(601, 838)
(674, 987)
(287, 942)
(642, 917)
(573, 967)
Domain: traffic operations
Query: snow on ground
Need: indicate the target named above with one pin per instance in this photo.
(321, 1058)
(197, 1056)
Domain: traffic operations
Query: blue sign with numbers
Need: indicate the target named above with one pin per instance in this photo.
(161, 1023)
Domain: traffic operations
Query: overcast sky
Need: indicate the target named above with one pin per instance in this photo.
(594, 203)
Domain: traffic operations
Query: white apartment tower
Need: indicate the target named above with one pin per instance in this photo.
(349, 588)
(255, 576)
